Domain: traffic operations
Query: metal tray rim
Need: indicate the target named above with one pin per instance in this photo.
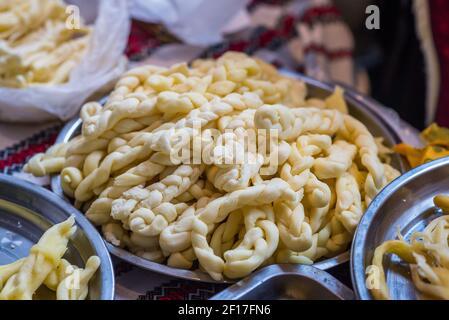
(107, 278)
(271, 272)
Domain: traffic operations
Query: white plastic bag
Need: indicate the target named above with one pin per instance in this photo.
(195, 22)
(102, 64)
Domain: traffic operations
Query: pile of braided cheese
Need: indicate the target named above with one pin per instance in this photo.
(297, 203)
(45, 266)
(36, 45)
(427, 254)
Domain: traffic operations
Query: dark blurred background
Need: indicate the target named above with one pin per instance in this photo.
(391, 55)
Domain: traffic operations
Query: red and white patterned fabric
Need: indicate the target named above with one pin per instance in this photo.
(308, 36)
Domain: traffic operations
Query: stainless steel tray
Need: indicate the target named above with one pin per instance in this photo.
(359, 106)
(287, 282)
(27, 210)
(406, 203)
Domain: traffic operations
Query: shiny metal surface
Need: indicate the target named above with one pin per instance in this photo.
(193, 275)
(359, 107)
(406, 203)
(287, 282)
(27, 210)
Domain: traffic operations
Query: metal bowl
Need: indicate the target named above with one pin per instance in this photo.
(27, 210)
(360, 107)
(406, 203)
(287, 282)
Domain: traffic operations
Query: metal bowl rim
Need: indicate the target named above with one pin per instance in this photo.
(351, 95)
(358, 242)
(274, 271)
(95, 239)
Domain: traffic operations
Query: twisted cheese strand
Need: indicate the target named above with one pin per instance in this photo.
(50, 162)
(334, 238)
(166, 105)
(57, 275)
(182, 260)
(114, 233)
(297, 170)
(75, 286)
(356, 132)
(169, 103)
(70, 177)
(349, 208)
(285, 255)
(258, 244)
(154, 212)
(291, 123)
(294, 231)
(317, 197)
(338, 161)
(427, 252)
(177, 236)
(398, 247)
(151, 222)
(100, 209)
(142, 146)
(217, 210)
(232, 166)
(6, 271)
(200, 189)
(114, 161)
(224, 236)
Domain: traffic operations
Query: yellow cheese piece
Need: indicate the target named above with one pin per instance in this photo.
(337, 100)
(44, 257)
